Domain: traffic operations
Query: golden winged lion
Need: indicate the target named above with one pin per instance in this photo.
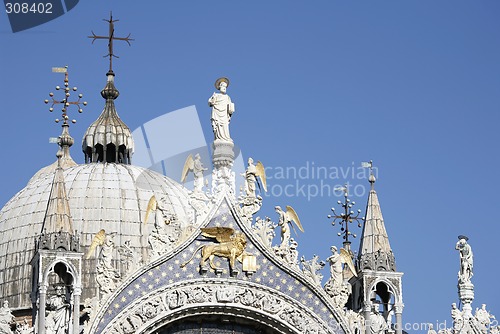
(231, 246)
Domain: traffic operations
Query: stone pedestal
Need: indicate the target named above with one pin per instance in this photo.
(466, 295)
(223, 153)
(223, 178)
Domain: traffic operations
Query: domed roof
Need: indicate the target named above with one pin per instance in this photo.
(106, 196)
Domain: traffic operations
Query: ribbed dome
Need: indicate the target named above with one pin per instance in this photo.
(106, 196)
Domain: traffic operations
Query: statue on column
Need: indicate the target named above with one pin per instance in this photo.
(222, 110)
(466, 260)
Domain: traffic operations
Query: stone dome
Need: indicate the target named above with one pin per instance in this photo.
(108, 196)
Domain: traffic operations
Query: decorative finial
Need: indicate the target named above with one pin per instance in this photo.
(372, 178)
(111, 37)
(346, 217)
(65, 102)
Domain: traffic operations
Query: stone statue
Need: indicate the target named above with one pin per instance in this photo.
(251, 174)
(6, 318)
(285, 221)
(130, 258)
(356, 321)
(58, 315)
(483, 318)
(466, 260)
(164, 236)
(378, 324)
(222, 110)
(335, 261)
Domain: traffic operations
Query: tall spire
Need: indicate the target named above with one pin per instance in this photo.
(57, 228)
(375, 252)
(58, 216)
(109, 139)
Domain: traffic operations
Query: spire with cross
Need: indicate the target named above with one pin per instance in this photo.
(111, 37)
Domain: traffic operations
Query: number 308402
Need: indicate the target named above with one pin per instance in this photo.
(25, 8)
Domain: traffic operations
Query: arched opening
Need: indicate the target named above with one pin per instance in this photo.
(98, 153)
(384, 300)
(215, 324)
(122, 154)
(111, 153)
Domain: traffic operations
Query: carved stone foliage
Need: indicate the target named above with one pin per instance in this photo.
(290, 254)
(265, 230)
(339, 294)
(356, 321)
(171, 300)
(250, 205)
(311, 269)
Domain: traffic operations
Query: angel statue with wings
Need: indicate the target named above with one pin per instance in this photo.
(251, 174)
(196, 166)
(285, 221)
(337, 261)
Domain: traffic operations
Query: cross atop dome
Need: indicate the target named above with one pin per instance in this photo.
(111, 38)
(109, 139)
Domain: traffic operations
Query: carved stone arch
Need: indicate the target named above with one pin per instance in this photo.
(393, 289)
(260, 304)
(222, 313)
(71, 269)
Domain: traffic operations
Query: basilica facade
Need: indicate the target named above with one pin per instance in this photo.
(109, 247)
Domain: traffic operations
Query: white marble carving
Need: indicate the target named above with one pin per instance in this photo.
(311, 268)
(146, 313)
(24, 328)
(107, 276)
(58, 313)
(165, 235)
(222, 110)
(264, 229)
(466, 260)
(378, 324)
(130, 257)
(6, 318)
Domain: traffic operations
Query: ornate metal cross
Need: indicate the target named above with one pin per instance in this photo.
(346, 217)
(111, 37)
(65, 102)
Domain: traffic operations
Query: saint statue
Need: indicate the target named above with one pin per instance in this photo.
(58, 315)
(466, 260)
(222, 110)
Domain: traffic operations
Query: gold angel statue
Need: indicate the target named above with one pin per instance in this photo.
(285, 221)
(251, 174)
(196, 166)
(231, 245)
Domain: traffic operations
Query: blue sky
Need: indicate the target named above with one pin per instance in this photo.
(413, 85)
